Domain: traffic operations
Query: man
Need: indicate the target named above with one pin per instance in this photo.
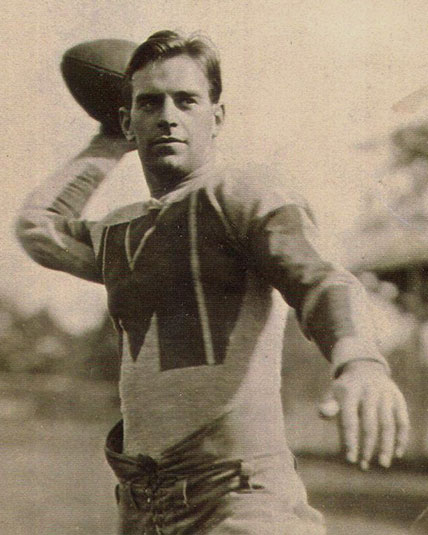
(198, 281)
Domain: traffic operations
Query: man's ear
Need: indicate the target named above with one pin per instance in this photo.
(219, 116)
(125, 123)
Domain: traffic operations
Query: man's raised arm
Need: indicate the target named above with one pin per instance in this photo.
(48, 225)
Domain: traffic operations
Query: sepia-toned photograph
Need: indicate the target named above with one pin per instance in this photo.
(214, 267)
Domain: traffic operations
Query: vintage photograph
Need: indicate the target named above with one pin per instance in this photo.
(214, 290)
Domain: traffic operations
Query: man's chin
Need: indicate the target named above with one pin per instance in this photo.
(170, 165)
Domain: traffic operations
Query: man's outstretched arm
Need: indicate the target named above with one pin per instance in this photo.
(334, 311)
(48, 225)
(283, 243)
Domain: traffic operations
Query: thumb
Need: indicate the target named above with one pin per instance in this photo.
(328, 407)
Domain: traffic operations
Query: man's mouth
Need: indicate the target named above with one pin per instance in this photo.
(166, 140)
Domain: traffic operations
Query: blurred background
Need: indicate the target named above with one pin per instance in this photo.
(334, 97)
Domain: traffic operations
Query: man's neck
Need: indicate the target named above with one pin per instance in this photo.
(160, 184)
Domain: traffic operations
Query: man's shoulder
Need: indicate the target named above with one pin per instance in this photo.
(124, 214)
(256, 185)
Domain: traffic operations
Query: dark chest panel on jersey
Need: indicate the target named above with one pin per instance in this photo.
(183, 269)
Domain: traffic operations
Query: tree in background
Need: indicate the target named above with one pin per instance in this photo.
(37, 344)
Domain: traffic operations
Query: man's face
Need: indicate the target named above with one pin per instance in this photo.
(172, 118)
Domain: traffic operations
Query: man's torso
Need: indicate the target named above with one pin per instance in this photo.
(201, 330)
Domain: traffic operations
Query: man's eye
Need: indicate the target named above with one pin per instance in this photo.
(147, 104)
(187, 101)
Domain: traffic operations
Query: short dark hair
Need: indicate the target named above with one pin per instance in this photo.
(168, 44)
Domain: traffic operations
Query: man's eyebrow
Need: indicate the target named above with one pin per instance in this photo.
(157, 95)
(147, 95)
(187, 93)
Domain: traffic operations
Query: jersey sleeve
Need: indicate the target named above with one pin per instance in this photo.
(279, 237)
(49, 226)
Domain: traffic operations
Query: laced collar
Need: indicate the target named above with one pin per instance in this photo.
(190, 183)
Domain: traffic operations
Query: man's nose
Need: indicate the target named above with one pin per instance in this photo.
(168, 114)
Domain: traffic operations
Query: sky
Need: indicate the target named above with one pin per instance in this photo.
(307, 85)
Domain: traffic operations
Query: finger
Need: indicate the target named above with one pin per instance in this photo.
(403, 426)
(369, 423)
(350, 426)
(388, 432)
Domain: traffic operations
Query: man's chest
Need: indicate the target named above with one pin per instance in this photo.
(176, 264)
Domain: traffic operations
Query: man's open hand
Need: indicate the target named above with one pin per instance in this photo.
(372, 412)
